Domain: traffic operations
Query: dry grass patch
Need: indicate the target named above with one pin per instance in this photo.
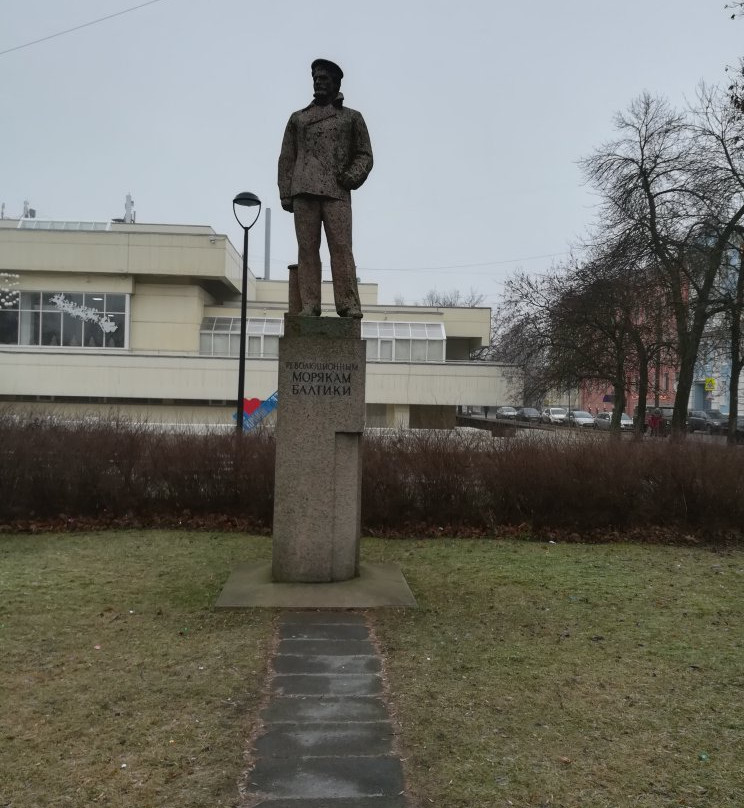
(121, 686)
(532, 675)
(568, 676)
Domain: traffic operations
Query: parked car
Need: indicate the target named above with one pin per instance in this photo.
(580, 418)
(603, 421)
(506, 412)
(554, 415)
(710, 421)
(528, 414)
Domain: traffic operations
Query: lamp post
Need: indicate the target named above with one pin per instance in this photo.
(245, 199)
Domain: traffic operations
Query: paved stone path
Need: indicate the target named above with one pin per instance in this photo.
(328, 736)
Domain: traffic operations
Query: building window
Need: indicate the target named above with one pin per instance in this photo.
(220, 336)
(404, 342)
(48, 224)
(53, 319)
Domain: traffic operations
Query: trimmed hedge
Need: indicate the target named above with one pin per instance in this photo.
(413, 482)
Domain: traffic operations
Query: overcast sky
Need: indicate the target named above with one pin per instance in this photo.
(478, 110)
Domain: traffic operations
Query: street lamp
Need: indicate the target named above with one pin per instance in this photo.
(245, 199)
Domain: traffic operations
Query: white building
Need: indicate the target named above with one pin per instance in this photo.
(146, 318)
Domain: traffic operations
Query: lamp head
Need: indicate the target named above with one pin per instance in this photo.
(246, 199)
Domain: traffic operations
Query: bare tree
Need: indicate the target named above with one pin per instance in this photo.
(671, 181)
(719, 137)
(453, 299)
(626, 268)
(736, 86)
(568, 326)
(735, 290)
(728, 339)
(591, 320)
(499, 325)
(736, 74)
(735, 314)
(616, 304)
(521, 333)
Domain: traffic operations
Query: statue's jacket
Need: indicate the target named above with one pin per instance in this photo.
(326, 151)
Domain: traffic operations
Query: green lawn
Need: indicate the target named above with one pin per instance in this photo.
(120, 685)
(531, 675)
(569, 675)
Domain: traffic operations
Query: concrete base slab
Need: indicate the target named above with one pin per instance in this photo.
(320, 709)
(317, 684)
(343, 802)
(325, 663)
(326, 740)
(326, 647)
(378, 585)
(320, 631)
(335, 777)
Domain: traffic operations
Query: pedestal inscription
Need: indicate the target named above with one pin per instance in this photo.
(320, 420)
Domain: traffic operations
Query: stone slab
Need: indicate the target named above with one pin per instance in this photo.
(324, 740)
(325, 663)
(327, 647)
(300, 709)
(328, 617)
(324, 631)
(318, 684)
(343, 802)
(378, 585)
(335, 777)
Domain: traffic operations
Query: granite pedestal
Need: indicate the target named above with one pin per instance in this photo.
(317, 492)
(320, 421)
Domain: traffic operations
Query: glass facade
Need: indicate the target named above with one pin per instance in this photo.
(386, 341)
(404, 342)
(220, 336)
(53, 319)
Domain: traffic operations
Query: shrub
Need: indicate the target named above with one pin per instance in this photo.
(415, 482)
(117, 467)
(427, 481)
